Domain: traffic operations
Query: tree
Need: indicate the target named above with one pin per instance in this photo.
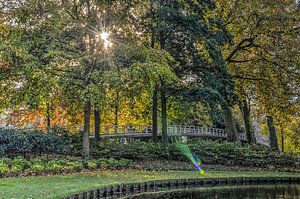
(25, 79)
(73, 50)
(182, 29)
(119, 59)
(259, 57)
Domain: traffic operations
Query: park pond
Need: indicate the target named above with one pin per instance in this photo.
(227, 192)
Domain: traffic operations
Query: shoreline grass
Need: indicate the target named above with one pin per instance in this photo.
(60, 186)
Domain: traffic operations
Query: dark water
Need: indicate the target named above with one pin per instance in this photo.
(232, 192)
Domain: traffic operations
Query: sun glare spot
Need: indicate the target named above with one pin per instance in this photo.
(104, 36)
(106, 41)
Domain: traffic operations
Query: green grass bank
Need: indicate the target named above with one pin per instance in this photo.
(60, 186)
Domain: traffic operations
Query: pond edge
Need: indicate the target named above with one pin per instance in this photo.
(123, 190)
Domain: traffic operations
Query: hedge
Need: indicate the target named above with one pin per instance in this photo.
(210, 152)
(15, 142)
(20, 142)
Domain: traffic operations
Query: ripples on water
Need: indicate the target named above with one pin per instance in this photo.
(232, 192)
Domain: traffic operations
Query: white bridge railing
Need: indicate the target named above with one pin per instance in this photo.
(262, 139)
(145, 130)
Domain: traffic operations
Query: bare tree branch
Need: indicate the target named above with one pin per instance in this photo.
(245, 43)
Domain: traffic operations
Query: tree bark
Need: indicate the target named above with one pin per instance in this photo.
(87, 118)
(154, 97)
(86, 129)
(152, 44)
(246, 118)
(245, 43)
(272, 133)
(164, 117)
(164, 124)
(154, 114)
(229, 123)
(97, 123)
(116, 119)
(282, 141)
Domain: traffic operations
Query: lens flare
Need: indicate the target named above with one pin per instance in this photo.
(185, 150)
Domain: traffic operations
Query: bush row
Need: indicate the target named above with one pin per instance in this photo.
(41, 165)
(20, 142)
(228, 153)
(210, 152)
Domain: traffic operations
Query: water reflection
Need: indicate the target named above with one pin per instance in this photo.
(232, 192)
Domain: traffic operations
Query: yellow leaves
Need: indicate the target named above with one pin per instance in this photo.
(36, 118)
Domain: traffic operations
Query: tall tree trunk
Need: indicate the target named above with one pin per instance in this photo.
(154, 97)
(87, 118)
(164, 117)
(86, 129)
(229, 123)
(163, 96)
(272, 133)
(152, 27)
(246, 118)
(97, 123)
(87, 111)
(116, 119)
(282, 141)
(154, 114)
(87, 47)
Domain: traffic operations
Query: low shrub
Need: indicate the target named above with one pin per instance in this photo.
(135, 150)
(4, 165)
(92, 165)
(228, 153)
(210, 152)
(41, 165)
(19, 164)
(56, 166)
(15, 142)
(38, 164)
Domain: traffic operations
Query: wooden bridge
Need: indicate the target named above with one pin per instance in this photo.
(145, 130)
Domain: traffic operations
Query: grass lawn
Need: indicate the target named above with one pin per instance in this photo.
(59, 186)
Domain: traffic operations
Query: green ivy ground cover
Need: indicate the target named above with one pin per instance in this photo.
(60, 186)
(42, 166)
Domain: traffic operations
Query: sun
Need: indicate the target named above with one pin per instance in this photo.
(106, 41)
(104, 36)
